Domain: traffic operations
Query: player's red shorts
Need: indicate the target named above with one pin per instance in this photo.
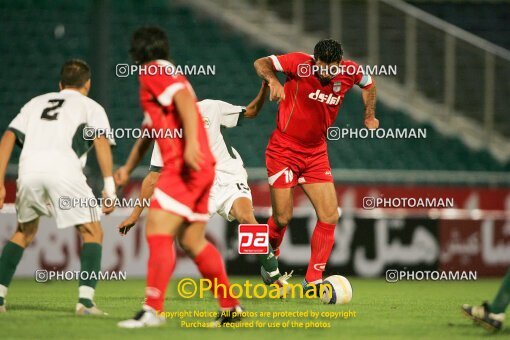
(289, 163)
(185, 194)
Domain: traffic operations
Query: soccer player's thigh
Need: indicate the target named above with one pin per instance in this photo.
(237, 203)
(319, 187)
(282, 174)
(74, 204)
(31, 202)
(242, 210)
(191, 235)
(324, 201)
(25, 233)
(170, 206)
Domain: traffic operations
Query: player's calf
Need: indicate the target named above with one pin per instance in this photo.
(90, 262)
(12, 254)
(276, 234)
(323, 239)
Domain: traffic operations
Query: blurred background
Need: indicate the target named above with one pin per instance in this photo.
(453, 71)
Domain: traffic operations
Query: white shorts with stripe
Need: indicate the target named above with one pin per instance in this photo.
(223, 195)
(42, 194)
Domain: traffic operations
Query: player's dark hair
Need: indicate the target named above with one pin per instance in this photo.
(149, 43)
(328, 51)
(74, 73)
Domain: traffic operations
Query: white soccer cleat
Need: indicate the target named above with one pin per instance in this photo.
(81, 309)
(283, 283)
(147, 317)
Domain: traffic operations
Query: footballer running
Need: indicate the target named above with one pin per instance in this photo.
(179, 205)
(297, 150)
(49, 128)
(230, 195)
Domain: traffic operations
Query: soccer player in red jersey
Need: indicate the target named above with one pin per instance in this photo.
(309, 101)
(179, 205)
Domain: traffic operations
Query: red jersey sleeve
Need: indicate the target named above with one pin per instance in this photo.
(361, 79)
(289, 63)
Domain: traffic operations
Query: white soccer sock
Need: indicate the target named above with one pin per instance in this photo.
(3, 291)
(86, 292)
(276, 272)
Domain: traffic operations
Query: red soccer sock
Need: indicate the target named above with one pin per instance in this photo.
(275, 235)
(211, 266)
(322, 242)
(160, 267)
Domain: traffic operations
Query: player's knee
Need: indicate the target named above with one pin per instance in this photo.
(185, 243)
(245, 217)
(188, 246)
(331, 217)
(27, 231)
(97, 233)
(91, 232)
(282, 220)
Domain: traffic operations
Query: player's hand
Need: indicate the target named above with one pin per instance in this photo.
(277, 92)
(2, 195)
(108, 204)
(372, 123)
(121, 176)
(193, 157)
(126, 225)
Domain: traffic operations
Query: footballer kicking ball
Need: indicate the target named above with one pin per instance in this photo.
(336, 290)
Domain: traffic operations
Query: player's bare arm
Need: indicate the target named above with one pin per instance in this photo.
(139, 150)
(369, 97)
(104, 159)
(189, 116)
(148, 185)
(264, 68)
(6, 146)
(253, 109)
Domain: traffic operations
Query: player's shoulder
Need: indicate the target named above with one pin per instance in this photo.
(42, 98)
(301, 57)
(349, 68)
(88, 102)
(348, 62)
(209, 104)
(209, 107)
(37, 102)
(160, 70)
(215, 106)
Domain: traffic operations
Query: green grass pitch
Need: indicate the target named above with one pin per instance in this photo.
(401, 310)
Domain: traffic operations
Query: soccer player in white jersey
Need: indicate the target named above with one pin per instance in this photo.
(49, 128)
(230, 195)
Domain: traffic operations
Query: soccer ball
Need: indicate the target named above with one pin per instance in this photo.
(336, 290)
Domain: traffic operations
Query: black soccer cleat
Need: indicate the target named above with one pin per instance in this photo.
(228, 316)
(483, 317)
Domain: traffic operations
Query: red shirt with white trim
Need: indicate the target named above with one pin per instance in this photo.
(157, 93)
(310, 108)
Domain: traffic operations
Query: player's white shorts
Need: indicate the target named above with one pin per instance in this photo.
(49, 195)
(223, 195)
